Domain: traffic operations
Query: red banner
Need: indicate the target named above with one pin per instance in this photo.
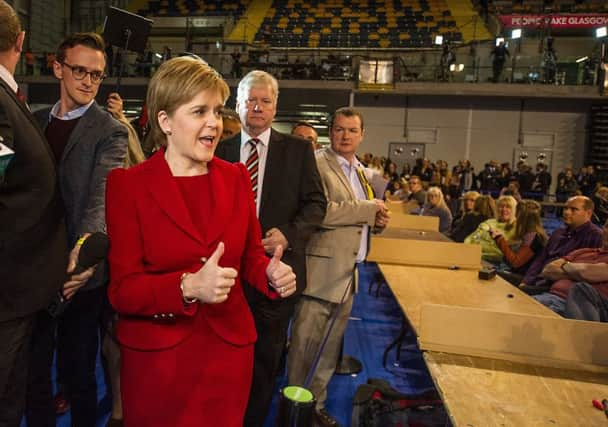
(555, 21)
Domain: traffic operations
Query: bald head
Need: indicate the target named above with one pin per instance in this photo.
(578, 211)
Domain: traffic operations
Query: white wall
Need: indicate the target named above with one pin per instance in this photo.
(489, 126)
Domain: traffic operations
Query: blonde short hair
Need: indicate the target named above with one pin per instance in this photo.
(175, 83)
(508, 201)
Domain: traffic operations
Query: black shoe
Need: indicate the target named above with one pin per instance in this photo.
(324, 419)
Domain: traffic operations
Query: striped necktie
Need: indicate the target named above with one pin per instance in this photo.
(252, 165)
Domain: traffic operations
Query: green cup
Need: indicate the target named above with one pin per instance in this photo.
(296, 407)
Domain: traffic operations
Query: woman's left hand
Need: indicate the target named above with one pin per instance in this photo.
(280, 275)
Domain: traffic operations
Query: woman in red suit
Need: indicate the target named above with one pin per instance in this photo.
(183, 234)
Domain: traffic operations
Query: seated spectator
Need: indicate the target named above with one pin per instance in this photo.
(376, 165)
(468, 205)
(600, 200)
(566, 185)
(512, 189)
(484, 209)
(505, 222)
(397, 190)
(577, 232)
(589, 265)
(435, 206)
(417, 194)
(391, 170)
(529, 239)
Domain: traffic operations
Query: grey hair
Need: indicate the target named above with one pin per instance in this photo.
(256, 78)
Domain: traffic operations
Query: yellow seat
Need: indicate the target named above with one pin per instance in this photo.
(404, 36)
(374, 36)
(298, 30)
(384, 43)
(383, 30)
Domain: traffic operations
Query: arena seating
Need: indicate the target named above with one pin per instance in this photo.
(344, 23)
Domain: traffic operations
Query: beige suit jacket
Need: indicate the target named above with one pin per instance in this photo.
(331, 251)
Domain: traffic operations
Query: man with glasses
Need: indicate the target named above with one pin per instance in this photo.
(290, 205)
(87, 142)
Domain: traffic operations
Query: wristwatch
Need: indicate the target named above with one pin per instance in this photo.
(563, 266)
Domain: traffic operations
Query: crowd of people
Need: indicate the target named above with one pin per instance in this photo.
(496, 210)
(496, 179)
(228, 233)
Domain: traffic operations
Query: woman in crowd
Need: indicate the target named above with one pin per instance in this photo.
(527, 241)
(435, 206)
(183, 235)
(600, 199)
(468, 205)
(397, 190)
(505, 222)
(484, 208)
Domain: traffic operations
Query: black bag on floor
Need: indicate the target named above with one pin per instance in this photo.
(377, 404)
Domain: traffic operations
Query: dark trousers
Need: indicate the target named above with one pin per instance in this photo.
(272, 319)
(78, 341)
(15, 341)
(584, 302)
(497, 66)
(40, 411)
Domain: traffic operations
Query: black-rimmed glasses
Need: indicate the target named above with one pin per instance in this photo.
(80, 73)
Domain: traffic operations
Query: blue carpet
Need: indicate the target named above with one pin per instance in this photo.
(374, 323)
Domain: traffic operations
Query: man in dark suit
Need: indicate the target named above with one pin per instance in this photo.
(33, 248)
(290, 205)
(88, 142)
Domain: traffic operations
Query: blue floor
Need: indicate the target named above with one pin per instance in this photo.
(374, 323)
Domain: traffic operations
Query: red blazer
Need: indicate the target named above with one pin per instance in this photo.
(153, 241)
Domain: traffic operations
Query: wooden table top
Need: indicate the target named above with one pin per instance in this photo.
(402, 233)
(487, 392)
(415, 286)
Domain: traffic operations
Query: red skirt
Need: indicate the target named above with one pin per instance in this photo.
(203, 381)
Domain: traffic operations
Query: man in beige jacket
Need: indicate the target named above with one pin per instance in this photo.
(332, 255)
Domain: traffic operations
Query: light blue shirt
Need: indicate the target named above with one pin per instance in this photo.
(70, 115)
(350, 170)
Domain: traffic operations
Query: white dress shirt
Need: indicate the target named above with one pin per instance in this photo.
(8, 78)
(350, 170)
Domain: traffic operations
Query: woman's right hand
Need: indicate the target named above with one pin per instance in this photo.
(212, 283)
